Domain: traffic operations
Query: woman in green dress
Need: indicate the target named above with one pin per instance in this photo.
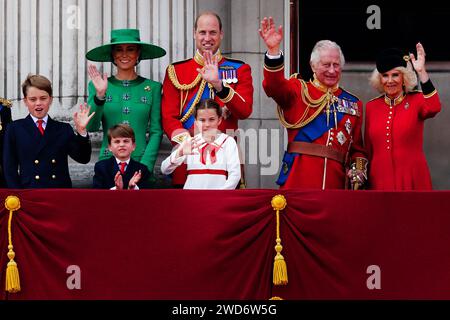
(126, 97)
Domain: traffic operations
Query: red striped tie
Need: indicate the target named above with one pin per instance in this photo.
(122, 167)
(40, 127)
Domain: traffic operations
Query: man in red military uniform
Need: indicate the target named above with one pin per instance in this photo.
(323, 121)
(207, 75)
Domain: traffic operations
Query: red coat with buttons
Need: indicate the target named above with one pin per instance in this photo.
(238, 99)
(311, 172)
(394, 139)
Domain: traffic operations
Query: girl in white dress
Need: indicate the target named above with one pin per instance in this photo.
(212, 157)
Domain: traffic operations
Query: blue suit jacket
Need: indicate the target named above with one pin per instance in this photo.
(105, 171)
(32, 160)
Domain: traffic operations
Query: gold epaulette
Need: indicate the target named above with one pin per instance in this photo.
(174, 79)
(5, 102)
(295, 75)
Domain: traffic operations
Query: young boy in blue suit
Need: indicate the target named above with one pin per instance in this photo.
(120, 171)
(36, 148)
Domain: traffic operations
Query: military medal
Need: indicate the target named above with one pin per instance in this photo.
(235, 80)
(348, 126)
(229, 77)
(341, 137)
(406, 106)
(147, 88)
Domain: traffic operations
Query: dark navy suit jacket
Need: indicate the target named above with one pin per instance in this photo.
(105, 171)
(32, 160)
(5, 120)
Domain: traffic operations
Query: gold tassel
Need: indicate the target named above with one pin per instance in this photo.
(280, 276)
(12, 203)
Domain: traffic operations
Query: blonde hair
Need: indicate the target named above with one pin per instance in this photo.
(409, 79)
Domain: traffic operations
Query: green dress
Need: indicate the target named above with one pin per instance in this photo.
(136, 103)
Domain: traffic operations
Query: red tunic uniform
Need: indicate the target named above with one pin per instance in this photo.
(394, 139)
(309, 171)
(181, 88)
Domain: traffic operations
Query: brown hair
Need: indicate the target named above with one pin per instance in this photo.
(37, 81)
(208, 104)
(208, 13)
(121, 130)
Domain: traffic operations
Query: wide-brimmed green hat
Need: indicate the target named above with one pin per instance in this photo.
(125, 36)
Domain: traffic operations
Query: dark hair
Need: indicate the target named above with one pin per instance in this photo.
(208, 104)
(37, 81)
(121, 130)
(208, 13)
(138, 47)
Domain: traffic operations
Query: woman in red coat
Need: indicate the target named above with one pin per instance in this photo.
(395, 121)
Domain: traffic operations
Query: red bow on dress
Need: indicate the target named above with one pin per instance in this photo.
(212, 149)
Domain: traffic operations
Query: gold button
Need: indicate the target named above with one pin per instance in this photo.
(388, 122)
(37, 177)
(388, 147)
(53, 177)
(53, 161)
(387, 128)
(36, 161)
(331, 138)
(389, 117)
(387, 141)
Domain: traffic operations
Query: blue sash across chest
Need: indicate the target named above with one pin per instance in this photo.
(226, 65)
(346, 104)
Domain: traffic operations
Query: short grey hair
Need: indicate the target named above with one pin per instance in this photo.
(409, 79)
(322, 45)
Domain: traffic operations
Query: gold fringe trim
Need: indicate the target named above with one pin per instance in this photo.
(174, 79)
(280, 276)
(12, 203)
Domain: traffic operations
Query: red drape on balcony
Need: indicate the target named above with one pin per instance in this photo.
(180, 244)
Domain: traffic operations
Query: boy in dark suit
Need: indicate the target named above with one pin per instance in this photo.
(120, 171)
(36, 148)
